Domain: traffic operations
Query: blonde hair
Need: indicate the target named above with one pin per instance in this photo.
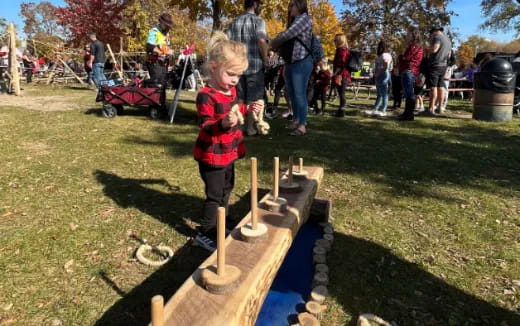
(341, 40)
(223, 51)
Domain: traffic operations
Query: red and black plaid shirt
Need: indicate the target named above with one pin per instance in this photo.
(340, 63)
(217, 146)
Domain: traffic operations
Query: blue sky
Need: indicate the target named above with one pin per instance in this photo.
(465, 24)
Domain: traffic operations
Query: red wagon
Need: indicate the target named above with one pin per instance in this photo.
(116, 97)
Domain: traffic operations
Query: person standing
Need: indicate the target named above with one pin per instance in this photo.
(409, 69)
(383, 67)
(322, 78)
(158, 50)
(298, 64)
(97, 60)
(220, 142)
(86, 59)
(440, 50)
(249, 29)
(396, 85)
(28, 65)
(341, 73)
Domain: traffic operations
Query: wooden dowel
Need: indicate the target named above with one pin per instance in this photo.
(115, 62)
(290, 170)
(301, 164)
(276, 177)
(158, 310)
(221, 237)
(254, 194)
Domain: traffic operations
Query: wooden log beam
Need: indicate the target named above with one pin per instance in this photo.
(14, 83)
(259, 263)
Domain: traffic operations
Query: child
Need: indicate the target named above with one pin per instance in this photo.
(322, 78)
(220, 141)
(419, 90)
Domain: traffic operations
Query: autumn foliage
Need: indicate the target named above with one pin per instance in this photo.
(100, 16)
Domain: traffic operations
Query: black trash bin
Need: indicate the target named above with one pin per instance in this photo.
(494, 92)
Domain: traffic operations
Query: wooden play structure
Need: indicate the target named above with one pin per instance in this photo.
(230, 286)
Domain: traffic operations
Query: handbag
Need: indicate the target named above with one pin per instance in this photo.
(286, 50)
(338, 79)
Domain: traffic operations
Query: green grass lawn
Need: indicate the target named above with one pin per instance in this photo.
(426, 214)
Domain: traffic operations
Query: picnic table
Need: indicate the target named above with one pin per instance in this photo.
(358, 83)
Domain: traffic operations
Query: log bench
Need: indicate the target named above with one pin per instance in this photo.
(259, 263)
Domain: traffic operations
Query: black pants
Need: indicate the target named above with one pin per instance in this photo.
(158, 73)
(341, 92)
(319, 94)
(397, 91)
(219, 183)
(28, 75)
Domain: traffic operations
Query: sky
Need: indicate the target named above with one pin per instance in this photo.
(466, 23)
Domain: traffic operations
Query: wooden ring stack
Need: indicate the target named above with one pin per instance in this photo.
(254, 232)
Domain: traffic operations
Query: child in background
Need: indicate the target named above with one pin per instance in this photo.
(419, 90)
(322, 77)
(220, 141)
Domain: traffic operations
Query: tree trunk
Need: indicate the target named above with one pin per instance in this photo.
(217, 13)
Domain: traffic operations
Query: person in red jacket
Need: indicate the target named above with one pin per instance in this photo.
(341, 73)
(220, 141)
(409, 69)
(321, 77)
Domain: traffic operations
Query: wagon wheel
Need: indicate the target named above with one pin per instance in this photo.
(155, 112)
(109, 111)
(119, 108)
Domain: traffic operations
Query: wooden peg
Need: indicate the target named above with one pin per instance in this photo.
(254, 194)
(301, 173)
(275, 203)
(221, 278)
(276, 177)
(158, 310)
(288, 185)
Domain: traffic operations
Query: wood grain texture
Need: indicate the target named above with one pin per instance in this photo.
(259, 263)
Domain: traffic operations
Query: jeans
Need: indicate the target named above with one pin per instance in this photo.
(296, 80)
(97, 74)
(382, 91)
(408, 80)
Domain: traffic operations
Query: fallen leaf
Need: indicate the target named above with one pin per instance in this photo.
(73, 226)
(68, 266)
(7, 307)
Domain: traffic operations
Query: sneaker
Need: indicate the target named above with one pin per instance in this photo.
(285, 114)
(381, 113)
(289, 117)
(206, 242)
(421, 109)
(369, 112)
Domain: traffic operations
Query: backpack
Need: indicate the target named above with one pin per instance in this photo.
(316, 49)
(355, 61)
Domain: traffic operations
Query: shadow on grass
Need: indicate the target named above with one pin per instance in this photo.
(134, 307)
(368, 278)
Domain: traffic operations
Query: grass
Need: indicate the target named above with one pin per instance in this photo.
(427, 214)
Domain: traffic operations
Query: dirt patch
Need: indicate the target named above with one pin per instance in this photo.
(36, 148)
(41, 103)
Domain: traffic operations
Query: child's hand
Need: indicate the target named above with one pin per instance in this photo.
(230, 121)
(255, 107)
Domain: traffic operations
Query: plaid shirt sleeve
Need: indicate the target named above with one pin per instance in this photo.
(302, 29)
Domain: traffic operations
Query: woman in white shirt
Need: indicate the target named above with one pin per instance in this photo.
(383, 67)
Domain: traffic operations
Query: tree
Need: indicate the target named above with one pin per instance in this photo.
(501, 15)
(325, 24)
(141, 15)
(39, 19)
(220, 10)
(465, 55)
(369, 21)
(3, 31)
(79, 17)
